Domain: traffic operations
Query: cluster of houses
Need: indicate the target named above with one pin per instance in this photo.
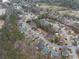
(41, 30)
(66, 37)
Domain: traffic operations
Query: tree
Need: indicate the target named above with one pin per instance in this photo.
(9, 35)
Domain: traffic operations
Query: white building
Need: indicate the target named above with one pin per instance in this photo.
(29, 16)
(5, 1)
(2, 11)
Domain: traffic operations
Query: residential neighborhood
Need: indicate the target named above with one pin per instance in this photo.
(39, 29)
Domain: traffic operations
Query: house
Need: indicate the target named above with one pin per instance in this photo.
(1, 23)
(2, 10)
(29, 16)
(44, 33)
